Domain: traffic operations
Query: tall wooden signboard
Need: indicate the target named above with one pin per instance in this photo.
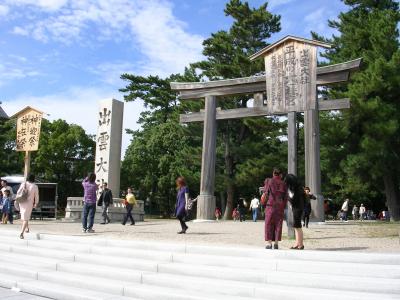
(29, 121)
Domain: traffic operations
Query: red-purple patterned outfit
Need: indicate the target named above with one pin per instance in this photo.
(276, 190)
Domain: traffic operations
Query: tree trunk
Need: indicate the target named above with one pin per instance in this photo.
(230, 193)
(392, 196)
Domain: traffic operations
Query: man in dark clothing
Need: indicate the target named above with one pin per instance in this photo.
(307, 206)
(105, 200)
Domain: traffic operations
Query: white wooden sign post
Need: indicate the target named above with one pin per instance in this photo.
(29, 121)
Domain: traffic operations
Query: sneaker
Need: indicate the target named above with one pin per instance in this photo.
(83, 230)
(90, 230)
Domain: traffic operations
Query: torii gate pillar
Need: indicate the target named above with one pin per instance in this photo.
(312, 162)
(206, 199)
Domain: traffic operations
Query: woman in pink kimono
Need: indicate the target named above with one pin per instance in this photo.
(275, 190)
(32, 201)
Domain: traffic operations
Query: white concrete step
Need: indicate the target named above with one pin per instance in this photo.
(138, 269)
(150, 261)
(142, 258)
(60, 291)
(328, 256)
(154, 287)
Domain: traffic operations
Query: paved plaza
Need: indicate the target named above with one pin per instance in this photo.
(350, 236)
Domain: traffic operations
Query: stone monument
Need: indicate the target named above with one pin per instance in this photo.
(108, 144)
(107, 163)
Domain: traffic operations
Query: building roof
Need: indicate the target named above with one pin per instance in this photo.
(25, 109)
(3, 114)
(287, 38)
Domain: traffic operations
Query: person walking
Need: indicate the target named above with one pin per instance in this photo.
(307, 206)
(182, 199)
(362, 212)
(32, 200)
(6, 187)
(276, 199)
(296, 195)
(345, 209)
(355, 212)
(6, 205)
(89, 206)
(218, 213)
(254, 205)
(105, 200)
(130, 202)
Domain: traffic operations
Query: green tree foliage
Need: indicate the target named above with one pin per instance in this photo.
(11, 162)
(163, 149)
(365, 142)
(65, 155)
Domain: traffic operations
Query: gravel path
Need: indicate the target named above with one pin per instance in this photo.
(334, 236)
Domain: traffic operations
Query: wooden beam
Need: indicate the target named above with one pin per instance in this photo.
(258, 111)
(249, 85)
(334, 104)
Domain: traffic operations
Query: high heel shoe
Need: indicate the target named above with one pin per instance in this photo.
(27, 231)
(21, 236)
(300, 248)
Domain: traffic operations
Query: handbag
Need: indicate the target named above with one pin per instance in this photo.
(22, 194)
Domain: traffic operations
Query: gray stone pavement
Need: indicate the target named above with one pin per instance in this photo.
(7, 294)
(333, 236)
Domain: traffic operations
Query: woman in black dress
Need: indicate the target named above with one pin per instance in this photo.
(296, 199)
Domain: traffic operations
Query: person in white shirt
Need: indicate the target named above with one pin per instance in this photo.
(254, 204)
(345, 210)
(362, 212)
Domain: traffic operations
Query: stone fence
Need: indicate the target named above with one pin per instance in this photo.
(116, 211)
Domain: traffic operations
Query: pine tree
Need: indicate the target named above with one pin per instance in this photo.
(369, 30)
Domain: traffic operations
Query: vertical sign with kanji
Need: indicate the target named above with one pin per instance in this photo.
(291, 77)
(29, 121)
(108, 143)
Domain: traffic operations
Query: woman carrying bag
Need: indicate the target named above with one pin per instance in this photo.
(27, 198)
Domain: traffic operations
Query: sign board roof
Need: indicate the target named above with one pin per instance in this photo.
(263, 52)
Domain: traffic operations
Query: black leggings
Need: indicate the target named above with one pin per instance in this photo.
(181, 220)
(306, 219)
(128, 215)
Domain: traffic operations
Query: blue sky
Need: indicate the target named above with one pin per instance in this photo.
(63, 56)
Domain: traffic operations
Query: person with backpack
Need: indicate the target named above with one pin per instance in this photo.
(105, 200)
(275, 201)
(27, 198)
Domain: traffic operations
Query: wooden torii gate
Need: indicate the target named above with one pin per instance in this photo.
(283, 98)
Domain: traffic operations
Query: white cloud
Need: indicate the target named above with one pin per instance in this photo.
(50, 5)
(318, 21)
(150, 26)
(10, 72)
(79, 106)
(110, 72)
(4, 10)
(275, 3)
(20, 31)
(163, 39)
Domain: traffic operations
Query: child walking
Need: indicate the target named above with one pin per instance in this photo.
(6, 206)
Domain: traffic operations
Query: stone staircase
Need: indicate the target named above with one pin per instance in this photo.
(89, 267)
